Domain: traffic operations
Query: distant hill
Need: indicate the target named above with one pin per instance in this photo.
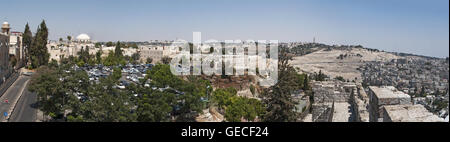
(308, 48)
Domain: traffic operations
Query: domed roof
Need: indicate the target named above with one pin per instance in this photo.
(5, 25)
(83, 37)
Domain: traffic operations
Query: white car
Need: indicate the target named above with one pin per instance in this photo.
(121, 87)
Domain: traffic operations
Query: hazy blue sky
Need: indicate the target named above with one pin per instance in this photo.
(411, 26)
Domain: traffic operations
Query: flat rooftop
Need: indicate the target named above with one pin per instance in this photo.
(388, 92)
(410, 113)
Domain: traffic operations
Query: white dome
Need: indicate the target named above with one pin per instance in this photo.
(83, 37)
(5, 25)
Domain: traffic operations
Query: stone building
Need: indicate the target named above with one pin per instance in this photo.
(408, 113)
(157, 52)
(65, 49)
(57, 50)
(384, 96)
(360, 105)
(16, 49)
(5, 69)
(329, 91)
(332, 101)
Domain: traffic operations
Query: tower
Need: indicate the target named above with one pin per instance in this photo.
(5, 28)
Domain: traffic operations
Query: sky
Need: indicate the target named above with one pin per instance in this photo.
(409, 26)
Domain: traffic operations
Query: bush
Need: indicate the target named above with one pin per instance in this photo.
(340, 78)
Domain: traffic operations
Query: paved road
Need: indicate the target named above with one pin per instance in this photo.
(26, 108)
(12, 95)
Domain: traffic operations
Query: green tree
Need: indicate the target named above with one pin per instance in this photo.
(155, 107)
(27, 40)
(58, 91)
(165, 60)
(223, 97)
(117, 73)
(38, 51)
(109, 44)
(66, 94)
(98, 57)
(306, 83)
(162, 77)
(84, 55)
(277, 98)
(189, 93)
(190, 103)
(108, 104)
(244, 108)
(135, 57)
(211, 50)
(320, 76)
(118, 50)
(50, 90)
(423, 93)
(134, 45)
(149, 60)
(13, 61)
(98, 45)
(110, 60)
(53, 64)
(252, 89)
(340, 78)
(237, 108)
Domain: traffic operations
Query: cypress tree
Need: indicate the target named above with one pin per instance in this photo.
(27, 39)
(117, 50)
(305, 83)
(45, 56)
(280, 104)
(38, 51)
